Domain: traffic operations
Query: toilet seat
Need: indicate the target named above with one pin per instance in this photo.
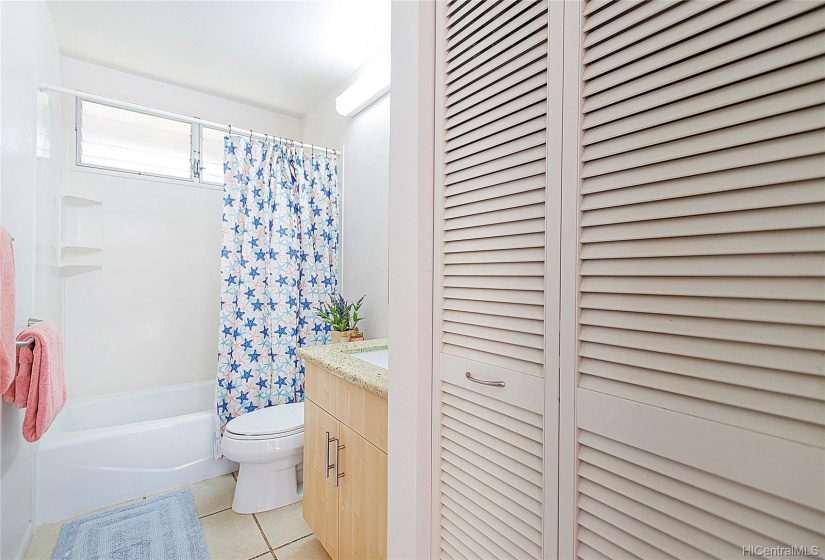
(268, 423)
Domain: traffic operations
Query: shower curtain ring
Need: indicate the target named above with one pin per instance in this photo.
(230, 130)
(250, 135)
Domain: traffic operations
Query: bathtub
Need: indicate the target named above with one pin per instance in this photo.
(104, 450)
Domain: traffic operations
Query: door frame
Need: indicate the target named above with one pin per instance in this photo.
(411, 175)
(570, 263)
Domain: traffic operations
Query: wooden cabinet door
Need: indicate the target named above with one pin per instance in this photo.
(362, 522)
(320, 494)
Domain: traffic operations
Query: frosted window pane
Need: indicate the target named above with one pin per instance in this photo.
(123, 139)
(212, 155)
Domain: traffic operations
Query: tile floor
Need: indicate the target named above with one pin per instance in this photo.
(280, 534)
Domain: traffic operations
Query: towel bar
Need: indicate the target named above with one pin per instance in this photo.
(24, 343)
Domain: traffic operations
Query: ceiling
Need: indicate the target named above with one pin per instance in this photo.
(284, 56)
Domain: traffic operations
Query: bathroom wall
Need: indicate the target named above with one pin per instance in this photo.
(365, 182)
(28, 209)
(149, 316)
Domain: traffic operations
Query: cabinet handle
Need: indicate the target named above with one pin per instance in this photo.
(326, 455)
(337, 474)
(482, 382)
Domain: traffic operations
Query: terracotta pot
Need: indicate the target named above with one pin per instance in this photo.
(340, 336)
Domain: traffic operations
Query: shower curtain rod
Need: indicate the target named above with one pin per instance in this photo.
(178, 117)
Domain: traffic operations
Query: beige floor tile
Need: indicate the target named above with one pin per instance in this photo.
(44, 541)
(308, 548)
(231, 536)
(213, 495)
(284, 525)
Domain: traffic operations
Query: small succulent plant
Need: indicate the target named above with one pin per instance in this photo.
(340, 314)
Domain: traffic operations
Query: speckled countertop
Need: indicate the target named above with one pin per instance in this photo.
(336, 358)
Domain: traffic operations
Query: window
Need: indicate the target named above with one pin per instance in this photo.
(125, 140)
(212, 155)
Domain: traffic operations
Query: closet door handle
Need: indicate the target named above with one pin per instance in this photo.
(469, 376)
(337, 474)
(326, 454)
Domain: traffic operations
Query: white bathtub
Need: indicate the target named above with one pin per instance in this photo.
(104, 450)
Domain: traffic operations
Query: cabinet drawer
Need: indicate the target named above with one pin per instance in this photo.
(320, 386)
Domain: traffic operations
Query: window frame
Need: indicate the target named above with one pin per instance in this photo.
(195, 147)
(200, 155)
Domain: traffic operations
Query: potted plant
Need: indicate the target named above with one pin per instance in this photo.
(341, 316)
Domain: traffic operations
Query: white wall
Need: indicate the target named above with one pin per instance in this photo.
(150, 316)
(365, 174)
(28, 209)
(409, 522)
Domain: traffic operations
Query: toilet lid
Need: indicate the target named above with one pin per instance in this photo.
(280, 420)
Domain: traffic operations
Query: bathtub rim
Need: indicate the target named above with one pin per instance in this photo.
(56, 436)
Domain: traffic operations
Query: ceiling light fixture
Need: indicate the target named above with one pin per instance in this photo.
(370, 86)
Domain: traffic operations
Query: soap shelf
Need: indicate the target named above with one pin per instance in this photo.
(81, 235)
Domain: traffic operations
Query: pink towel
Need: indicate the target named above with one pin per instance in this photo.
(7, 359)
(39, 385)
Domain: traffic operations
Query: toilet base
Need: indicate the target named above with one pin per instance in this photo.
(266, 486)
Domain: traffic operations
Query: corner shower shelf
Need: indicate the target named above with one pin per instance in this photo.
(81, 235)
(76, 259)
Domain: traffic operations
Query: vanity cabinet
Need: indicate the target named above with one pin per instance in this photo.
(345, 466)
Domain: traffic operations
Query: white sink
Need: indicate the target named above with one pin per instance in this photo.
(379, 358)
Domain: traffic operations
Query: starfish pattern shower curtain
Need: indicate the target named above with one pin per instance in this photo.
(279, 261)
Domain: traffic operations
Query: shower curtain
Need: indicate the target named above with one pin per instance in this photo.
(279, 261)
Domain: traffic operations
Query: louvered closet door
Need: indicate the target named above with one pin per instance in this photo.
(701, 397)
(490, 279)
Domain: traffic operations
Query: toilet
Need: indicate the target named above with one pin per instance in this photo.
(269, 445)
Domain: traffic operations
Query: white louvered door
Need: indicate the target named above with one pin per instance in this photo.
(700, 391)
(491, 262)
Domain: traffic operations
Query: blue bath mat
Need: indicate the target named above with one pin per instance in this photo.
(165, 527)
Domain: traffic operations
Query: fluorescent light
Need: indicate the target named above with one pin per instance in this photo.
(373, 83)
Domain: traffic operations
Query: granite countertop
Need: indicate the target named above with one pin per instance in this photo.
(336, 359)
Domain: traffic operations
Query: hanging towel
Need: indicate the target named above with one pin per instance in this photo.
(39, 385)
(7, 358)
